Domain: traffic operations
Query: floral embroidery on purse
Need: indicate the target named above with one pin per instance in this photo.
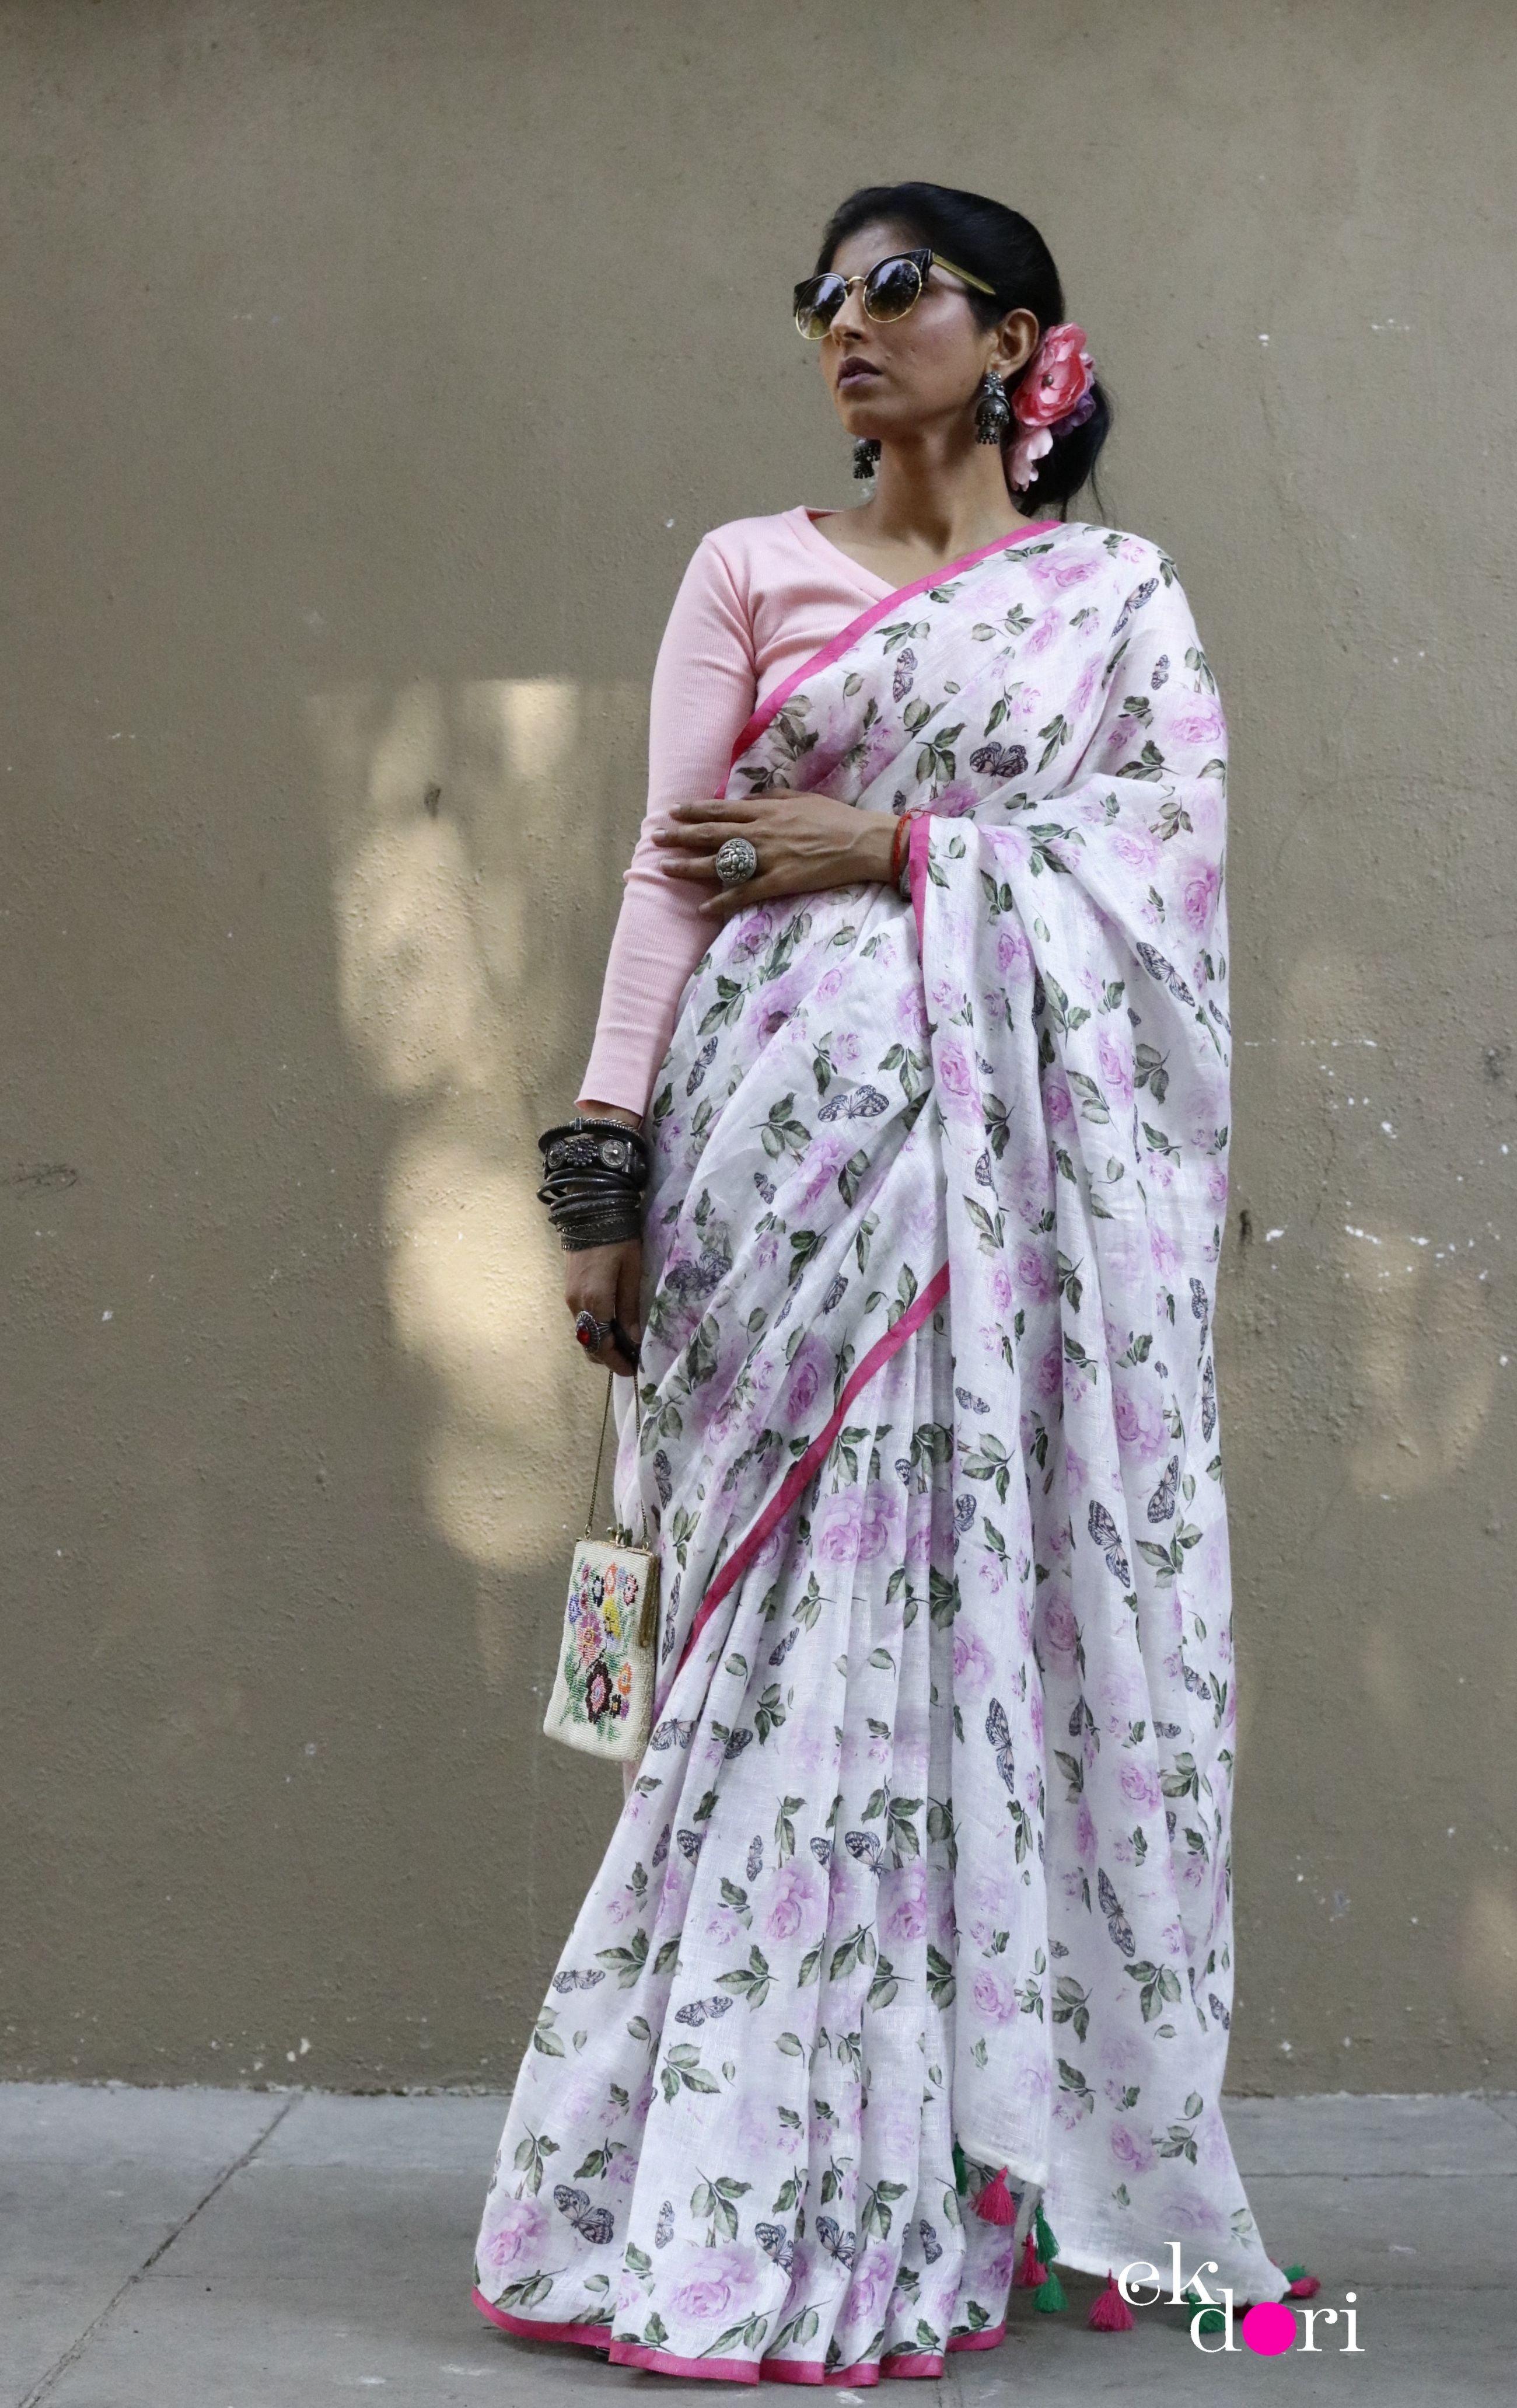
(603, 1686)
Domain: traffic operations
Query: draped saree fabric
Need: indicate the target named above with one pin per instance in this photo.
(928, 1860)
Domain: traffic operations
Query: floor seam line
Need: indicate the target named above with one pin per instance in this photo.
(77, 2347)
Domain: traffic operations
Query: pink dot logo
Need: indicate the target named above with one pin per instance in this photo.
(1269, 2327)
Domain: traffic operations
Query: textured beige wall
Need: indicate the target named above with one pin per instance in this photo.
(371, 371)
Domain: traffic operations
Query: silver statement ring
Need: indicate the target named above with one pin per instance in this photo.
(736, 862)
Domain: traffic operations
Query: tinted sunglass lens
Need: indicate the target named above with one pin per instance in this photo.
(817, 304)
(891, 288)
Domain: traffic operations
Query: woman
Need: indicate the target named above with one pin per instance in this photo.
(920, 1902)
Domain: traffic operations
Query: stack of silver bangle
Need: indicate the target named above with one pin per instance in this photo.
(595, 1173)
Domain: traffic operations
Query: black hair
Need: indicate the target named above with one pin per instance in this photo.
(1007, 250)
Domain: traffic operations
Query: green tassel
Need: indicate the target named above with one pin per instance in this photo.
(960, 2171)
(1293, 2273)
(1048, 2248)
(1049, 2297)
(1211, 2319)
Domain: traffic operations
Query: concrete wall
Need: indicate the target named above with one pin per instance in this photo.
(372, 367)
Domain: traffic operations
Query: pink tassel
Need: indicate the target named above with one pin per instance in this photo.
(995, 2203)
(1031, 2273)
(1306, 2287)
(1110, 2313)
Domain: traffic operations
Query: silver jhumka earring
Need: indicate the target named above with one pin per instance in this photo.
(992, 411)
(865, 452)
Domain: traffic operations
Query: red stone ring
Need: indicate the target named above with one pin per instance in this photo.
(591, 1333)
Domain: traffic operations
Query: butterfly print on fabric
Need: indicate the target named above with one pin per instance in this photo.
(971, 1403)
(857, 1104)
(777, 1655)
(664, 2229)
(901, 683)
(1157, 967)
(999, 760)
(998, 1732)
(755, 1858)
(1162, 1503)
(1108, 1539)
(1219, 2011)
(776, 2242)
(964, 1509)
(835, 2242)
(671, 1733)
(689, 1844)
(822, 1850)
(662, 1477)
(984, 1176)
(932, 2248)
(735, 1744)
(765, 1187)
(572, 1981)
(702, 2011)
(1209, 1401)
(702, 1063)
(1161, 673)
(1198, 1304)
(864, 1848)
(1116, 1921)
(836, 1290)
(593, 2224)
(1167, 1731)
(661, 1845)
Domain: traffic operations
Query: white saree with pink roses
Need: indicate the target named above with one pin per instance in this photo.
(924, 1879)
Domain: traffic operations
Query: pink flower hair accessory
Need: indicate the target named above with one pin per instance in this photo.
(1056, 394)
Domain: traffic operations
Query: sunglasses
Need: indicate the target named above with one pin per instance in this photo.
(891, 288)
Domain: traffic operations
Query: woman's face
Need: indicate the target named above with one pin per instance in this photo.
(924, 369)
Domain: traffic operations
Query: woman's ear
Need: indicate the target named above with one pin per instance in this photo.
(1016, 339)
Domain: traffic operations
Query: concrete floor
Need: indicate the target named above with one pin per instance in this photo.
(233, 2249)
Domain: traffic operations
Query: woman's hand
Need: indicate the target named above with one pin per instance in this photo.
(805, 843)
(606, 1281)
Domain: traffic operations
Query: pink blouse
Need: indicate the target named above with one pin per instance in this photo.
(759, 598)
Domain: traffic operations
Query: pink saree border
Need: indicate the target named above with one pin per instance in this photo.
(838, 645)
(906, 2365)
(879, 1353)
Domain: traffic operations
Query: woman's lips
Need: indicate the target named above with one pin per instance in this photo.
(854, 372)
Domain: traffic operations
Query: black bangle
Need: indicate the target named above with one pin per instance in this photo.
(595, 1145)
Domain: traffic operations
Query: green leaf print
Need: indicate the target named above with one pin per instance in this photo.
(875, 2208)
(1056, 734)
(1158, 1987)
(784, 1828)
(726, 1009)
(530, 2153)
(1148, 764)
(544, 2037)
(1072, 2079)
(782, 1133)
(683, 2066)
(942, 1987)
(858, 1949)
(751, 1981)
(990, 1461)
(1071, 2005)
(769, 1713)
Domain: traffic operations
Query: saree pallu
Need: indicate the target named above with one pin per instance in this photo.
(925, 1874)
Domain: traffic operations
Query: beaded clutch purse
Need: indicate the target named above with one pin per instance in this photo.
(603, 1684)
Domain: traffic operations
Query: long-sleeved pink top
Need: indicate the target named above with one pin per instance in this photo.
(759, 598)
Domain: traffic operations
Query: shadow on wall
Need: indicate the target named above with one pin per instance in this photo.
(472, 873)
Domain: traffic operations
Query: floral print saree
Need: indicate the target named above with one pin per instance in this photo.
(925, 1875)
